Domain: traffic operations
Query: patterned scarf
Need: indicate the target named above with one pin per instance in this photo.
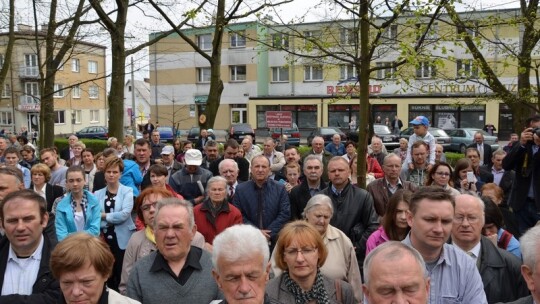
(317, 292)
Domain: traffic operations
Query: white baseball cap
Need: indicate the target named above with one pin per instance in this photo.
(193, 157)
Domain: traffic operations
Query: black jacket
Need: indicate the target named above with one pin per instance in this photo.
(243, 167)
(526, 172)
(488, 152)
(52, 192)
(299, 197)
(64, 154)
(45, 290)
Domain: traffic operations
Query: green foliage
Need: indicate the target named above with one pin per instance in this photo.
(97, 145)
(452, 158)
(304, 150)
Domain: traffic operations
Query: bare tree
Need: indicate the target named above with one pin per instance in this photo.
(9, 48)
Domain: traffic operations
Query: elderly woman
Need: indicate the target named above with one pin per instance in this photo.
(300, 252)
(158, 179)
(394, 222)
(143, 242)
(441, 175)
(41, 174)
(117, 226)
(350, 149)
(77, 149)
(341, 262)
(402, 150)
(215, 214)
(112, 142)
(82, 263)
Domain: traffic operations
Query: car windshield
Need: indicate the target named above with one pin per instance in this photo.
(380, 129)
(328, 131)
(166, 129)
(438, 133)
(473, 131)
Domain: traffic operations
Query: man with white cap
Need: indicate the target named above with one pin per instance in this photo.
(167, 159)
(190, 182)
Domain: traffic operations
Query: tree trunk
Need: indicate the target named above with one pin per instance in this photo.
(116, 93)
(363, 77)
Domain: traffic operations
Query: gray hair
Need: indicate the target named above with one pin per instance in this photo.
(529, 244)
(499, 152)
(211, 143)
(225, 161)
(215, 179)
(391, 251)
(389, 156)
(176, 202)
(476, 199)
(316, 201)
(312, 157)
(232, 246)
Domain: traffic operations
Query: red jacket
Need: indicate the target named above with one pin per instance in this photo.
(374, 167)
(209, 226)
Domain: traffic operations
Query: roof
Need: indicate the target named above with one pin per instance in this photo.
(142, 87)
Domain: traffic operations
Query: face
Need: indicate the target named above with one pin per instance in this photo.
(229, 172)
(338, 173)
(23, 225)
(77, 151)
(313, 170)
(319, 217)
(317, 144)
(420, 130)
(301, 260)
(468, 221)
(268, 146)
(350, 149)
(401, 215)
(438, 152)
(100, 163)
(112, 174)
(441, 176)
(72, 140)
(84, 285)
(155, 137)
(376, 145)
(489, 229)
(128, 141)
(260, 169)
(8, 184)
(27, 156)
(532, 275)
(191, 169)
(474, 158)
(292, 175)
(463, 173)
(38, 178)
(48, 159)
(75, 182)
(291, 155)
(142, 153)
(217, 191)
(148, 208)
(392, 168)
(514, 137)
(497, 161)
(403, 145)
(187, 147)
(3, 144)
(419, 155)
(87, 158)
(242, 281)
(158, 180)
(211, 153)
(246, 144)
(204, 133)
(176, 145)
(400, 280)
(230, 153)
(354, 166)
(240, 153)
(336, 139)
(172, 232)
(478, 138)
(167, 159)
(11, 159)
(431, 224)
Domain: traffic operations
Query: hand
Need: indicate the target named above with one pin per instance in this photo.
(266, 234)
(288, 187)
(158, 161)
(411, 166)
(429, 167)
(493, 238)
(526, 135)
(198, 199)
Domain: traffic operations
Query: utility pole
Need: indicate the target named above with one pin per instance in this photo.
(133, 117)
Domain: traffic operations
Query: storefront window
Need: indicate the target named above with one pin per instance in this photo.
(384, 112)
(473, 116)
(306, 116)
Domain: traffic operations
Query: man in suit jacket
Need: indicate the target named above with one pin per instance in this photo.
(524, 159)
(149, 126)
(484, 149)
(502, 178)
(301, 194)
(66, 153)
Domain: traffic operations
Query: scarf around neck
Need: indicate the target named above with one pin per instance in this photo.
(317, 291)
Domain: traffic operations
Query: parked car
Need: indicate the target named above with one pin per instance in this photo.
(239, 131)
(389, 139)
(326, 133)
(463, 137)
(440, 135)
(94, 132)
(193, 134)
(166, 134)
(293, 134)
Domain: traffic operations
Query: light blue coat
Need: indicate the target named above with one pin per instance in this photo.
(121, 216)
(65, 219)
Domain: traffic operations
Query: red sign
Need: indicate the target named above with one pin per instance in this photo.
(278, 119)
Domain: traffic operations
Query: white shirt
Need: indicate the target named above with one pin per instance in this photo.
(473, 253)
(21, 273)
(41, 191)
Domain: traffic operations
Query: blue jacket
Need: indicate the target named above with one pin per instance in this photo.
(65, 219)
(121, 217)
(131, 176)
(336, 151)
(276, 210)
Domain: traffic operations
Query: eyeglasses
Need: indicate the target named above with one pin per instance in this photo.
(442, 173)
(470, 218)
(147, 207)
(293, 252)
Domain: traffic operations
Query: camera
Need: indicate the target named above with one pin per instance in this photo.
(536, 131)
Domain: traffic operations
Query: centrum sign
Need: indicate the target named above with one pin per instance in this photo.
(278, 119)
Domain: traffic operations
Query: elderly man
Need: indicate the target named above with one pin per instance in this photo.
(377, 149)
(354, 213)
(241, 269)
(530, 248)
(336, 147)
(276, 159)
(211, 153)
(418, 175)
(499, 269)
(301, 194)
(167, 159)
(250, 150)
(395, 273)
(264, 203)
(230, 151)
(452, 272)
(190, 182)
(67, 153)
(228, 169)
(14, 142)
(317, 148)
(383, 188)
(484, 149)
(439, 154)
(157, 145)
(177, 270)
(58, 172)
(25, 251)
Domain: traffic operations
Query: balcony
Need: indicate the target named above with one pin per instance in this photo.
(28, 103)
(29, 72)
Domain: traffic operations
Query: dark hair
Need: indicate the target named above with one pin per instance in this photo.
(389, 218)
(25, 194)
(128, 156)
(492, 213)
(429, 180)
(24, 139)
(472, 149)
(88, 150)
(433, 193)
(12, 150)
(231, 143)
(76, 169)
(159, 170)
(143, 142)
(461, 164)
(531, 120)
(28, 148)
(108, 152)
(350, 142)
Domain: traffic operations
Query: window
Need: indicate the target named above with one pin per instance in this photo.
(391, 32)
(77, 116)
(94, 115)
(466, 69)
(280, 41)
(5, 118)
(313, 73)
(388, 72)
(203, 75)
(347, 36)
(31, 65)
(280, 74)
(59, 117)
(92, 67)
(76, 91)
(426, 69)
(471, 29)
(6, 92)
(31, 91)
(238, 73)
(205, 42)
(238, 39)
(309, 36)
(58, 90)
(75, 65)
(347, 71)
(432, 32)
(93, 92)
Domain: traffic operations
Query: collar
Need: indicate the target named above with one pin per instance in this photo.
(443, 258)
(36, 255)
(399, 183)
(42, 188)
(495, 171)
(224, 207)
(331, 233)
(192, 260)
(475, 250)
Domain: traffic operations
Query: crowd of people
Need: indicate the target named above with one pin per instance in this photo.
(142, 221)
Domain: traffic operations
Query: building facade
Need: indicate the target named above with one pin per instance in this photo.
(136, 94)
